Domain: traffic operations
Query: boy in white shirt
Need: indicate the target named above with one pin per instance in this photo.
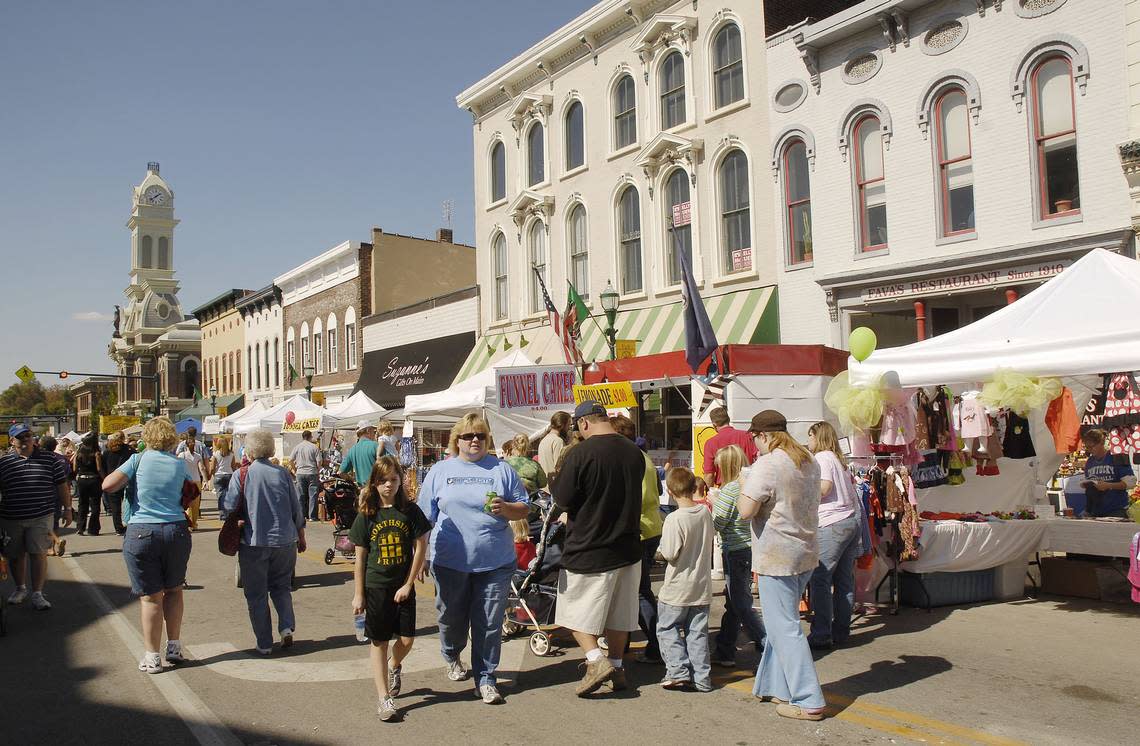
(683, 601)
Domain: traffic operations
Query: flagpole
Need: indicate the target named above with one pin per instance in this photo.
(591, 317)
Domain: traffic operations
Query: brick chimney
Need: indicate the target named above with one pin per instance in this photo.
(376, 234)
(445, 235)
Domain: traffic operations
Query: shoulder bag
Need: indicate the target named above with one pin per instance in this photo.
(229, 538)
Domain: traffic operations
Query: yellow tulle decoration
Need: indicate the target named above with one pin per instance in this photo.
(858, 408)
(1019, 392)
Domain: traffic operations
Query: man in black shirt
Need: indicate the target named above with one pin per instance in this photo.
(599, 487)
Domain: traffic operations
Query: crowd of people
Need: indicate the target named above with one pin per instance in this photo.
(777, 509)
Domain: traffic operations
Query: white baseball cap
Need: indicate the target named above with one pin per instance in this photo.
(363, 425)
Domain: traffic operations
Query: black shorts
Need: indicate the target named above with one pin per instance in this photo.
(384, 618)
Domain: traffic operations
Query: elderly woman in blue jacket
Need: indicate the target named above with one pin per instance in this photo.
(273, 535)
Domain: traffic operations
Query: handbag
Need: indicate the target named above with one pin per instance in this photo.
(190, 493)
(229, 538)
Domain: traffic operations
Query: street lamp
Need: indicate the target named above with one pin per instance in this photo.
(308, 371)
(610, 300)
(213, 400)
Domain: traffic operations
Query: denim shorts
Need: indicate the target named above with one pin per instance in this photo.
(156, 555)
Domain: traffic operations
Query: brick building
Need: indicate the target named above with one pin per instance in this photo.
(89, 394)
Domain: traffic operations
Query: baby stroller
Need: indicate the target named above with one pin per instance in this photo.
(534, 592)
(339, 497)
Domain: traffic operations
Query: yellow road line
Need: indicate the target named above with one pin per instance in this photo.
(905, 731)
(932, 724)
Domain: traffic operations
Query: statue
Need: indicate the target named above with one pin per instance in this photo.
(116, 322)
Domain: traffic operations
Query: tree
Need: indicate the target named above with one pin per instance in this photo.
(34, 398)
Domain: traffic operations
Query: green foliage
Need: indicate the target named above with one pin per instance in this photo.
(34, 398)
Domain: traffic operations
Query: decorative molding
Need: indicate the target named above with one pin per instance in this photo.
(1130, 157)
(935, 88)
(780, 142)
(888, 32)
(832, 304)
(981, 8)
(856, 110)
(785, 108)
(902, 31)
(527, 107)
(861, 65)
(1063, 44)
(530, 205)
(1034, 8)
(940, 36)
(666, 150)
(810, 56)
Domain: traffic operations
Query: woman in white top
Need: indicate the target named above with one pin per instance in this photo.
(838, 537)
(222, 465)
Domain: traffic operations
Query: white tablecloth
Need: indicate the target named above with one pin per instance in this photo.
(1082, 536)
(954, 546)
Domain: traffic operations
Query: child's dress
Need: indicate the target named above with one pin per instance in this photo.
(525, 553)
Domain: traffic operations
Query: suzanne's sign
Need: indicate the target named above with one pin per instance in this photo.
(609, 395)
(399, 374)
(539, 388)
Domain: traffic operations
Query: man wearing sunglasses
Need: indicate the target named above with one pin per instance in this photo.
(600, 488)
(32, 481)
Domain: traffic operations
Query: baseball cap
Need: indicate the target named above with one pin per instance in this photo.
(768, 421)
(587, 408)
(18, 429)
(363, 425)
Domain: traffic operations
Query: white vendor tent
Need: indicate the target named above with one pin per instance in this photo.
(72, 436)
(293, 410)
(355, 408)
(244, 420)
(478, 394)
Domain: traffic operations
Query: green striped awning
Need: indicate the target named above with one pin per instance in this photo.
(740, 317)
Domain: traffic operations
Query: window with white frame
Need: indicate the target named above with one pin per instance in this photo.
(277, 362)
(797, 202)
(498, 172)
(728, 66)
(625, 112)
(333, 363)
(249, 364)
(1055, 138)
(536, 154)
(291, 354)
(318, 351)
(575, 144)
(350, 345)
(536, 248)
(579, 251)
(672, 87)
(629, 236)
(499, 258)
(255, 378)
(306, 359)
(870, 183)
(735, 213)
(955, 163)
(678, 238)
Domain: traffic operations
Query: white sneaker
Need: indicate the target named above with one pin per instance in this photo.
(151, 663)
(39, 603)
(174, 654)
(387, 709)
(18, 596)
(286, 639)
(490, 695)
(456, 671)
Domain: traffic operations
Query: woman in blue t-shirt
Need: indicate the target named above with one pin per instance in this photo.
(1106, 481)
(471, 499)
(156, 547)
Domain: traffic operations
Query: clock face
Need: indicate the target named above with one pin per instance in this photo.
(155, 196)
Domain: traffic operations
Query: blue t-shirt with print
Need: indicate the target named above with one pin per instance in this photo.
(466, 538)
(158, 478)
(1105, 469)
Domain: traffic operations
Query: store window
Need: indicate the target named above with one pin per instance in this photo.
(672, 86)
(1055, 134)
(870, 183)
(955, 163)
(575, 136)
(536, 153)
(332, 348)
(728, 66)
(625, 112)
(536, 247)
(735, 215)
(629, 236)
(892, 327)
(498, 172)
(797, 203)
(665, 421)
(679, 238)
(579, 251)
(499, 254)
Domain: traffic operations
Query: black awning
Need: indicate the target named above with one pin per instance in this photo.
(418, 368)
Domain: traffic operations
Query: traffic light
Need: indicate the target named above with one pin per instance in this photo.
(63, 374)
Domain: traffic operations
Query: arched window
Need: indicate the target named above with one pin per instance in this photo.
(735, 215)
(625, 112)
(237, 371)
(955, 163)
(319, 346)
(306, 357)
(579, 251)
(678, 238)
(728, 66)
(498, 172)
(189, 379)
(255, 361)
(277, 362)
(146, 252)
(629, 236)
(575, 136)
(536, 169)
(499, 258)
(870, 183)
(797, 202)
(350, 338)
(1055, 135)
(163, 252)
(536, 247)
(290, 355)
(672, 88)
(249, 364)
(331, 343)
(226, 384)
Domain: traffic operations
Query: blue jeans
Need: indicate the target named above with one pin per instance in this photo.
(685, 659)
(308, 485)
(838, 545)
(475, 602)
(267, 573)
(786, 668)
(738, 611)
(221, 486)
(647, 602)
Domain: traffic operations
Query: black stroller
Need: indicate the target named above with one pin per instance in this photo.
(534, 592)
(339, 497)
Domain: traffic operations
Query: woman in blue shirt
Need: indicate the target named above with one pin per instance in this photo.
(156, 547)
(473, 549)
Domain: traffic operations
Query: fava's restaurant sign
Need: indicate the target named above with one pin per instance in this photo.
(944, 284)
(536, 388)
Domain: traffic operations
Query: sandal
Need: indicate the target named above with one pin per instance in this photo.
(795, 712)
(674, 685)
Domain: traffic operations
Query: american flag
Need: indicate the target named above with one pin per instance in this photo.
(566, 329)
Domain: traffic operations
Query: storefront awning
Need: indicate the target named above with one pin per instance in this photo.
(741, 317)
(393, 373)
(203, 409)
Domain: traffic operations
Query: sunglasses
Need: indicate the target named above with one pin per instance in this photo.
(473, 436)
(24, 436)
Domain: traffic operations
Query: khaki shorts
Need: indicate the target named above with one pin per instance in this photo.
(31, 535)
(595, 602)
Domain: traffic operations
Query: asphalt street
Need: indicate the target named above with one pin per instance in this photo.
(1047, 671)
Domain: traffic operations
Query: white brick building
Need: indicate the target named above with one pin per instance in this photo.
(958, 153)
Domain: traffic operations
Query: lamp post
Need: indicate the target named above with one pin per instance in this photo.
(610, 300)
(308, 372)
(213, 400)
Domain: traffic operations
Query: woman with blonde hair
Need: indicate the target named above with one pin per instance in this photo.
(222, 466)
(529, 470)
(385, 439)
(781, 498)
(156, 547)
(471, 499)
(838, 539)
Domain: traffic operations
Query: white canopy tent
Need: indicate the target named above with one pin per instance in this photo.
(1052, 331)
(275, 419)
(244, 420)
(353, 409)
(478, 394)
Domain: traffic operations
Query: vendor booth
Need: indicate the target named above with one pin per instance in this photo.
(1027, 368)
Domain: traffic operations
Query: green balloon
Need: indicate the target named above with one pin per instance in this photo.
(862, 343)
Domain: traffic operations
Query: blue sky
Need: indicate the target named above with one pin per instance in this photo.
(284, 128)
